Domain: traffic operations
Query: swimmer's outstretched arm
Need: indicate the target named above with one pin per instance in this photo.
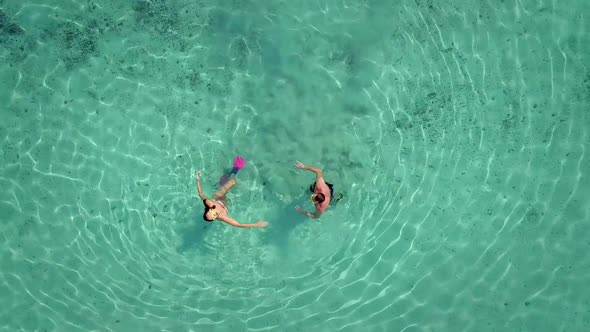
(234, 223)
(316, 170)
(199, 190)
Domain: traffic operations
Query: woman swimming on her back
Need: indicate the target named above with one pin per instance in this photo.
(216, 209)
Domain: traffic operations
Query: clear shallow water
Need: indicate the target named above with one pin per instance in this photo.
(457, 133)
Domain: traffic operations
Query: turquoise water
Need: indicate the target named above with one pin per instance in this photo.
(457, 132)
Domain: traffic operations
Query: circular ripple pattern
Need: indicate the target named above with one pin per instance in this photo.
(456, 133)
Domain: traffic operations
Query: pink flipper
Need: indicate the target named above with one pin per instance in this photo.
(239, 163)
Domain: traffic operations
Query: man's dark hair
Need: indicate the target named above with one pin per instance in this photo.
(320, 198)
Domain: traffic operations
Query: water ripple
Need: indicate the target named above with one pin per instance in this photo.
(455, 133)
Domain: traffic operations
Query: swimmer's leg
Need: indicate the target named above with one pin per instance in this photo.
(220, 194)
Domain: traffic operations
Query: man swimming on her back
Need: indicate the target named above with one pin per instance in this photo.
(322, 192)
